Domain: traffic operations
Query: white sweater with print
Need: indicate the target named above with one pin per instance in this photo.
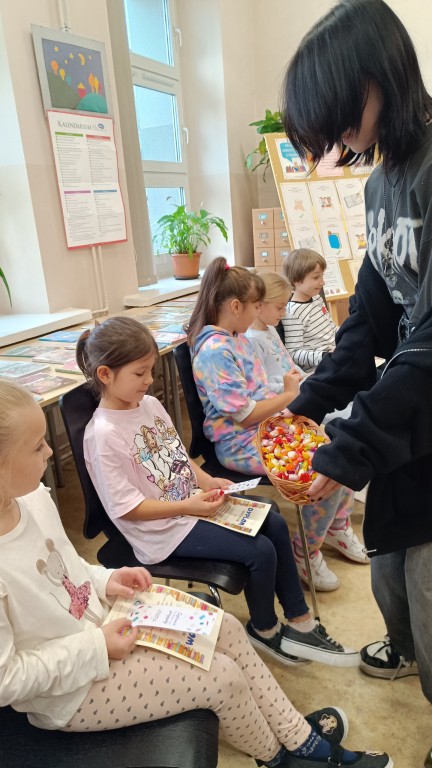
(51, 646)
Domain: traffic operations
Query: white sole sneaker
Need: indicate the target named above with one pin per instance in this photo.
(347, 544)
(318, 646)
(323, 578)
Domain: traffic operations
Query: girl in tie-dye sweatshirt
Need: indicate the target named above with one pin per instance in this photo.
(231, 381)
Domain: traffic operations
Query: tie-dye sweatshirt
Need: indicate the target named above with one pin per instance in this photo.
(230, 380)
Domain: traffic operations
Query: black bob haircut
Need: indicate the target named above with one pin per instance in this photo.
(326, 84)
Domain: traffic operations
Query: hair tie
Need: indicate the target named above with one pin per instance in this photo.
(227, 266)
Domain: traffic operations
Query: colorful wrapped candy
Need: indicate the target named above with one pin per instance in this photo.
(287, 447)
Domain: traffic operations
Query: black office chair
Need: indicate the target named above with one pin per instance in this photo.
(77, 408)
(189, 740)
(200, 444)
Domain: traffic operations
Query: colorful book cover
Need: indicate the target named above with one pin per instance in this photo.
(17, 369)
(47, 384)
(67, 337)
(27, 350)
(69, 366)
(53, 356)
(192, 646)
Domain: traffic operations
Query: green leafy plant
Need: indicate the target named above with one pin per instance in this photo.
(259, 157)
(183, 231)
(6, 285)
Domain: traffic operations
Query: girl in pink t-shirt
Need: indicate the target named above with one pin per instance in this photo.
(146, 480)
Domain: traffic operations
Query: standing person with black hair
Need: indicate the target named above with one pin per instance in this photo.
(355, 82)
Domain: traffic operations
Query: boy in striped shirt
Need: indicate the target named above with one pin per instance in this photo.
(308, 328)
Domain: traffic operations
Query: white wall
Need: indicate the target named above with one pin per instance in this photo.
(68, 275)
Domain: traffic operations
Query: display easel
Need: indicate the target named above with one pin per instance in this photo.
(323, 209)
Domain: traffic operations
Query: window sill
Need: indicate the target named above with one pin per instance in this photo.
(15, 328)
(165, 289)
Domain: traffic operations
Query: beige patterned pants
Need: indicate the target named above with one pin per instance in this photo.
(255, 715)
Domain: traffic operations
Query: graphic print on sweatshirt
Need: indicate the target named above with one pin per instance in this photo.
(162, 455)
(56, 572)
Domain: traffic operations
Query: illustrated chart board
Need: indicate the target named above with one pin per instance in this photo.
(324, 209)
(87, 173)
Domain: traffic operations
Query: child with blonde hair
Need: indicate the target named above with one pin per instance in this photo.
(69, 671)
(329, 520)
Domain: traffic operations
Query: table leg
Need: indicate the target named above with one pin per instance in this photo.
(177, 416)
(54, 445)
(48, 480)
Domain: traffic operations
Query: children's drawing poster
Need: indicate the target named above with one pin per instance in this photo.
(325, 200)
(298, 206)
(357, 236)
(72, 72)
(334, 283)
(351, 193)
(306, 235)
(335, 240)
(197, 649)
(291, 163)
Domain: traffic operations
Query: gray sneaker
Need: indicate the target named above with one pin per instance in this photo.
(317, 645)
(273, 646)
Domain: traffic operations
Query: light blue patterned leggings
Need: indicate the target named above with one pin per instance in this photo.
(332, 512)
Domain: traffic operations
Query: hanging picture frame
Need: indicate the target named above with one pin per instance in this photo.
(73, 72)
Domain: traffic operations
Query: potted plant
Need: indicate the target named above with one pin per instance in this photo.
(272, 123)
(181, 233)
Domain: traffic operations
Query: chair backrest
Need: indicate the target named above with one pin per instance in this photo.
(200, 445)
(77, 408)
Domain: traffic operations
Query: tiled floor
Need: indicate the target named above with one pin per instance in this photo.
(390, 716)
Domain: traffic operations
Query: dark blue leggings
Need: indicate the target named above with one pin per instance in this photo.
(268, 557)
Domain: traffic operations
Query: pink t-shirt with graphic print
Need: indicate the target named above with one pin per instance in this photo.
(134, 455)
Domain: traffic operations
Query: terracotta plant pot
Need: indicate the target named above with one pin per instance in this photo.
(184, 267)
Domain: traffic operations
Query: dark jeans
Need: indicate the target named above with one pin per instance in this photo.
(268, 557)
(402, 587)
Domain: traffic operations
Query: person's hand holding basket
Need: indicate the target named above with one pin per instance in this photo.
(286, 446)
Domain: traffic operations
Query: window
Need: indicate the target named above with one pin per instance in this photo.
(157, 91)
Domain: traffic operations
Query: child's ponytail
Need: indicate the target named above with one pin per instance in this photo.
(221, 282)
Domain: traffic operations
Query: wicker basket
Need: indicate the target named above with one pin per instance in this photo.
(294, 491)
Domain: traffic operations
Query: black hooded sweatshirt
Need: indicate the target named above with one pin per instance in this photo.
(387, 441)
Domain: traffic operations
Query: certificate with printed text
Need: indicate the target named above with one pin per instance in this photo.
(197, 649)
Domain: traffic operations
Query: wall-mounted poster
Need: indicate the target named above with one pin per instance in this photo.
(73, 72)
(357, 236)
(327, 166)
(306, 236)
(325, 200)
(334, 239)
(298, 205)
(291, 163)
(351, 193)
(334, 284)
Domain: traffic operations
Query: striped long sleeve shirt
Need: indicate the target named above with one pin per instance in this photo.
(309, 332)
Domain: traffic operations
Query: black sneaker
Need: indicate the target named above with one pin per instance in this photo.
(381, 659)
(330, 723)
(364, 760)
(428, 761)
(273, 646)
(317, 645)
